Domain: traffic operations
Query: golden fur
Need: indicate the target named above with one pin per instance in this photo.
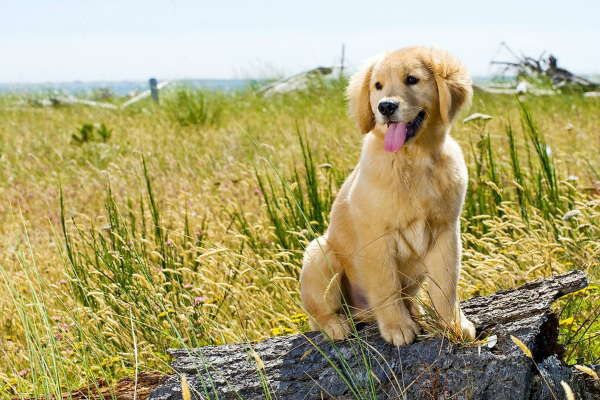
(395, 220)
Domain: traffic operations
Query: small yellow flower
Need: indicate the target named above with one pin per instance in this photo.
(162, 314)
(584, 290)
(170, 311)
(279, 331)
(567, 321)
(276, 331)
(129, 371)
(115, 360)
(298, 318)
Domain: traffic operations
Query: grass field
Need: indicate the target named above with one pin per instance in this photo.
(126, 232)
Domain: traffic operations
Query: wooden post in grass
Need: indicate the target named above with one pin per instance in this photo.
(154, 89)
(342, 61)
(148, 92)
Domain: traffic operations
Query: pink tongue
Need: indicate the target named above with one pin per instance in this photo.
(395, 136)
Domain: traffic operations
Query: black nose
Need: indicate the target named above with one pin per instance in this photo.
(387, 107)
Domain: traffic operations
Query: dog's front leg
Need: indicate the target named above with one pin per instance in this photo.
(442, 263)
(381, 285)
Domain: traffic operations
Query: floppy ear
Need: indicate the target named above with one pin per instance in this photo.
(454, 83)
(358, 93)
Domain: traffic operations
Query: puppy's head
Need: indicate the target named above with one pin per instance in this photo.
(401, 94)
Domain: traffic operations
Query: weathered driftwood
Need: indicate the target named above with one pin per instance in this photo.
(528, 67)
(307, 366)
(293, 82)
(74, 100)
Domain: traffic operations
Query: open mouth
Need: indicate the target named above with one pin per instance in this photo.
(413, 126)
(399, 132)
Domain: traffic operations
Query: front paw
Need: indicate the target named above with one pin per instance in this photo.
(400, 333)
(336, 327)
(467, 328)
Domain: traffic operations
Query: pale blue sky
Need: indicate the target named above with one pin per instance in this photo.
(50, 41)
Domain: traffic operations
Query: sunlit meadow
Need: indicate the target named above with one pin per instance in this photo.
(127, 232)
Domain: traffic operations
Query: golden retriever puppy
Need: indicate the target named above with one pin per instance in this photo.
(395, 221)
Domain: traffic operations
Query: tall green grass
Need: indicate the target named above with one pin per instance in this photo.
(308, 200)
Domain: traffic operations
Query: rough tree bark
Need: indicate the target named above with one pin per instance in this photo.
(306, 366)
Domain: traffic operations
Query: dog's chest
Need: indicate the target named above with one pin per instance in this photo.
(415, 201)
(415, 194)
(414, 229)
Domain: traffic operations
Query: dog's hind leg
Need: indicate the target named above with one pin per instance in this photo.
(321, 289)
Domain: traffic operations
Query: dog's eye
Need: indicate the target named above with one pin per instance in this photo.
(411, 80)
(378, 86)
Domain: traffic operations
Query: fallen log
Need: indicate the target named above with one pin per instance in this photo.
(307, 366)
